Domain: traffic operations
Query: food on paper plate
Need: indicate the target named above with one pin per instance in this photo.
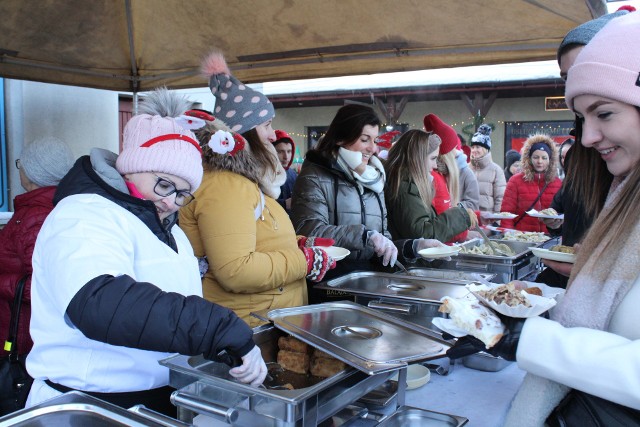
(564, 249)
(549, 211)
(507, 293)
(534, 290)
(474, 318)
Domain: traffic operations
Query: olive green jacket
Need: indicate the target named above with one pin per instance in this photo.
(409, 218)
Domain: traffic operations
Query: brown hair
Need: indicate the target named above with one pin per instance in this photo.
(609, 232)
(587, 178)
(408, 160)
(346, 127)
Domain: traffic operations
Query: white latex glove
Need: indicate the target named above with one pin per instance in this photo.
(420, 244)
(383, 247)
(253, 369)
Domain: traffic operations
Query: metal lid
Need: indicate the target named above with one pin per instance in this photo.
(410, 288)
(366, 339)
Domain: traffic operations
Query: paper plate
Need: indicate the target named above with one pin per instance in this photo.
(534, 213)
(539, 304)
(497, 215)
(554, 255)
(336, 252)
(439, 252)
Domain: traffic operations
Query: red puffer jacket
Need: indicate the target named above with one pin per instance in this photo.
(17, 240)
(519, 196)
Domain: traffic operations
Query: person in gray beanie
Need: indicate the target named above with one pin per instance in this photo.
(44, 162)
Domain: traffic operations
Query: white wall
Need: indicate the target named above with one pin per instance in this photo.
(83, 118)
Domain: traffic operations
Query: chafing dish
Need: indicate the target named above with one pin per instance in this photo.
(506, 268)
(79, 409)
(375, 345)
(414, 299)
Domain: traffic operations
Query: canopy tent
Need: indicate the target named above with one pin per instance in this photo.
(136, 45)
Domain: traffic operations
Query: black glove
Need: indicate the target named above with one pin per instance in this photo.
(505, 348)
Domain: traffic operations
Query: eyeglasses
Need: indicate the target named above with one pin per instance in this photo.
(165, 188)
(18, 164)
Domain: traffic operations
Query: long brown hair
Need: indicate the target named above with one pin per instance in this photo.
(587, 179)
(408, 160)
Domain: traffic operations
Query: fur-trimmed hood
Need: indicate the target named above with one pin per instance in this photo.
(527, 166)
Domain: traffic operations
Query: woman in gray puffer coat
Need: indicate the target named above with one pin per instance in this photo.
(490, 176)
(339, 194)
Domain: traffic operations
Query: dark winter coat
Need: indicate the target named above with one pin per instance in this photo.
(17, 240)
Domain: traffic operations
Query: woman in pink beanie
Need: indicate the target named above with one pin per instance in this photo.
(582, 362)
(115, 283)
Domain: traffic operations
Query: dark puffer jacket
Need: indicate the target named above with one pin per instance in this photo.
(17, 240)
(523, 188)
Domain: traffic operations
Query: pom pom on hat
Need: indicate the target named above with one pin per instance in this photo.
(45, 161)
(239, 106)
(607, 66)
(282, 135)
(482, 137)
(582, 34)
(156, 143)
(449, 137)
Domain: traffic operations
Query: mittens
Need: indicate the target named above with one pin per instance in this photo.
(318, 263)
(307, 242)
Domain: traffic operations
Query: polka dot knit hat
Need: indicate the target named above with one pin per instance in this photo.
(239, 106)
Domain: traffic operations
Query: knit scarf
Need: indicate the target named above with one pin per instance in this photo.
(373, 176)
(591, 299)
(270, 181)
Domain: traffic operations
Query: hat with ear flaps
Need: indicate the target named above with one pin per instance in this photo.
(449, 137)
(159, 139)
(239, 106)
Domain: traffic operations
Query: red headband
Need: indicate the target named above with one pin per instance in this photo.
(171, 136)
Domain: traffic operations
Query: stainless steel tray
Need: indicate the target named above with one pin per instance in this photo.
(441, 274)
(366, 339)
(521, 249)
(407, 416)
(79, 409)
(400, 287)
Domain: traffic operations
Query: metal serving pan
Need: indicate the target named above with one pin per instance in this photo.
(520, 249)
(441, 274)
(79, 409)
(366, 339)
(397, 286)
(407, 416)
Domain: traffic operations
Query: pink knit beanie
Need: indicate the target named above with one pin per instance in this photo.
(609, 66)
(153, 143)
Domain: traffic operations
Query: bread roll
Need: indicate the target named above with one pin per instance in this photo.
(290, 343)
(534, 290)
(326, 366)
(294, 361)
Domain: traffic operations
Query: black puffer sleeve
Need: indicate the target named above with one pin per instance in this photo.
(121, 311)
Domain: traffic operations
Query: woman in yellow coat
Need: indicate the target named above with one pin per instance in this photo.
(250, 256)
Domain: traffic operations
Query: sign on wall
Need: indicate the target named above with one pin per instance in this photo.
(516, 133)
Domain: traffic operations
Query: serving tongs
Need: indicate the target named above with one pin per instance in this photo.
(490, 244)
